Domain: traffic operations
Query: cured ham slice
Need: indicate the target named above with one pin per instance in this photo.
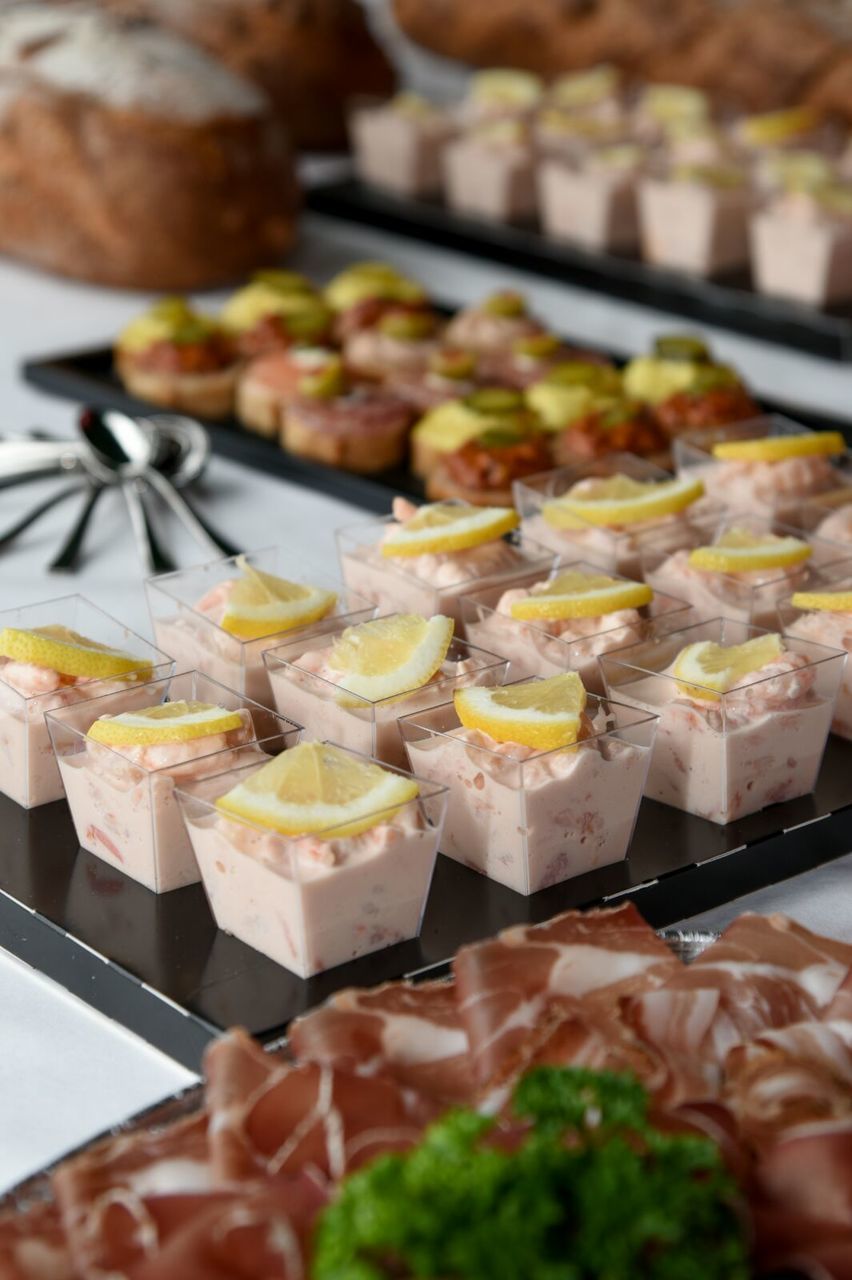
(691, 1031)
(506, 985)
(410, 1032)
(841, 1005)
(33, 1246)
(297, 1117)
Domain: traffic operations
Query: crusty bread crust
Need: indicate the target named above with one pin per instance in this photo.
(203, 395)
(259, 407)
(440, 487)
(359, 452)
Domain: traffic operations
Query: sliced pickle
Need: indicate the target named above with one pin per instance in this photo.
(681, 346)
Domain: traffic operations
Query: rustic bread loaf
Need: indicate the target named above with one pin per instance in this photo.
(130, 157)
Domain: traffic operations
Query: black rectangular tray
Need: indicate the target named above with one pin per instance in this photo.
(158, 964)
(728, 302)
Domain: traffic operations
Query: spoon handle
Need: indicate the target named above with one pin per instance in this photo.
(36, 513)
(154, 558)
(69, 553)
(203, 533)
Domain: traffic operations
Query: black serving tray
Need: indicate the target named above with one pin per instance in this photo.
(158, 964)
(729, 302)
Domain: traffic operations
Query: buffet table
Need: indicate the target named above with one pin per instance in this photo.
(66, 1072)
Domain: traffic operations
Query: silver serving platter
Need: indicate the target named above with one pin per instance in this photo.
(686, 944)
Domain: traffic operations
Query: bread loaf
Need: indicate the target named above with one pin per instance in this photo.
(130, 157)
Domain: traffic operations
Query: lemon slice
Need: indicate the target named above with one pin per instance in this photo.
(166, 722)
(778, 126)
(317, 787)
(823, 601)
(717, 668)
(618, 499)
(574, 594)
(261, 604)
(739, 551)
(504, 87)
(442, 527)
(60, 649)
(389, 656)
(544, 714)
(776, 448)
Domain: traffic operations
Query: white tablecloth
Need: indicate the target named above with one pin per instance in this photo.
(66, 1072)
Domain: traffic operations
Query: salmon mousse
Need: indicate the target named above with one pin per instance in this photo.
(822, 613)
(593, 201)
(317, 857)
(489, 171)
(45, 665)
(120, 770)
(353, 684)
(425, 559)
(801, 243)
(606, 510)
(544, 782)
(223, 616)
(744, 715)
(400, 144)
(695, 218)
(564, 621)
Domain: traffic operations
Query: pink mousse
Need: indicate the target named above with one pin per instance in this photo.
(835, 631)
(751, 597)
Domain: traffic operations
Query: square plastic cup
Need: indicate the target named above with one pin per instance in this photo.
(546, 647)
(722, 756)
(751, 597)
(829, 515)
(615, 549)
(431, 584)
(533, 819)
(28, 772)
(821, 626)
(316, 901)
(184, 607)
(124, 809)
(772, 489)
(330, 711)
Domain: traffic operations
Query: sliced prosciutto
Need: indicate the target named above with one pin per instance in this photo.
(306, 1116)
(410, 1032)
(691, 1031)
(33, 1246)
(505, 986)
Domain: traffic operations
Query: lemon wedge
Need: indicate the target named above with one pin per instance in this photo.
(544, 714)
(705, 670)
(739, 551)
(60, 649)
(261, 604)
(823, 601)
(389, 656)
(443, 527)
(777, 448)
(318, 787)
(619, 499)
(777, 126)
(166, 722)
(574, 594)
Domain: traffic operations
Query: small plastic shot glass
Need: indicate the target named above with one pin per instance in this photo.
(311, 902)
(751, 596)
(615, 548)
(304, 689)
(28, 772)
(187, 608)
(721, 756)
(545, 647)
(531, 819)
(122, 800)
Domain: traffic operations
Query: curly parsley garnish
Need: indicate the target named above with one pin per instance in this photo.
(590, 1191)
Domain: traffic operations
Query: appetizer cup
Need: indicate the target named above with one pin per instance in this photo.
(545, 647)
(829, 515)
(123, 805)
(431, 584)
(751, 597)
(29, 775)
(721, 756)
(329, 711)
(530, 819)
(315, 901)
(826, 627)
(186, 610)
(617, 548)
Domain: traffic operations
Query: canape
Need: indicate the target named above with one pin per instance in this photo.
(276, 310)
(489, 172)
(610, 425)
(400, 144)
(352, 684)
(522, 812)
(361, 294)
(269, 383)
(450, 375)
(121, 759)
(744, 714)
(592, 201)
(686, 387)
(569, 389)
(493, 325)
(530, 359)
(180, 359)
(400, 343)
(451, 425)
(484, 469)
(318, 856)
(53, 655)
(695, 218)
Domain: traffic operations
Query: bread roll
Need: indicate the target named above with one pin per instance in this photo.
(129, 157)
(309, 56)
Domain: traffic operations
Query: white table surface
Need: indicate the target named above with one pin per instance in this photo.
(66, 1072)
